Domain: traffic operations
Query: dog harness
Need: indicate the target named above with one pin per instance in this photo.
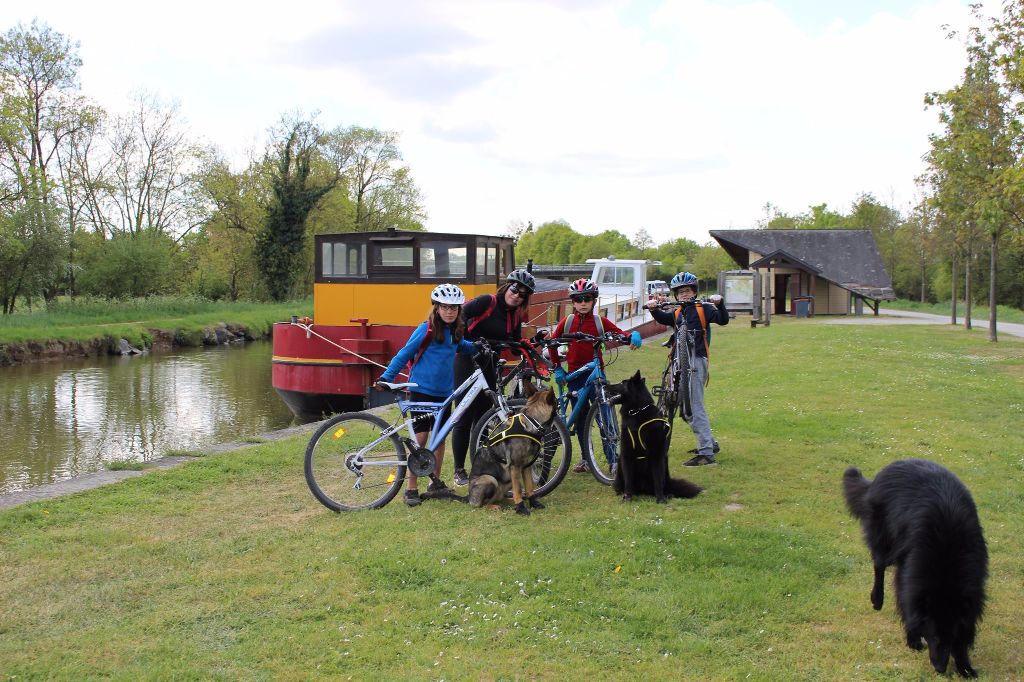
(519, 426)
(638, 431)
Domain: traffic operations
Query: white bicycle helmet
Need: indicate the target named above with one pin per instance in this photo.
(449, 294)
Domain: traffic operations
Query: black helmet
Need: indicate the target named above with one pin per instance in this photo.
(524, 278)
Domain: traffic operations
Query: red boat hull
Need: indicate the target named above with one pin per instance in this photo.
(327, 369)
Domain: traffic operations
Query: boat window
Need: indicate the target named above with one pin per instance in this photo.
(392, 256)
(614, 275)
(340, 259)
(443, 259)
(486, 261)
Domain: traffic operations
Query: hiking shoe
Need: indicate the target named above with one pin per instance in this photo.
(714, 450)
(412, 498)
(461, 478)
(581, 467)
(437, 491)
(700, 461)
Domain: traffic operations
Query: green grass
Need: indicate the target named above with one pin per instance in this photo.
(978, 311)
(226, 567)
(84, 320)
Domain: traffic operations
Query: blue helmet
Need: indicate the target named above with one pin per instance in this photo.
(684, 279)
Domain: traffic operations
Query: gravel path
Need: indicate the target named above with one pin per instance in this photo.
(909, 317)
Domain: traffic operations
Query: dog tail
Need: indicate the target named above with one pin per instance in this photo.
(680, 487)
(855, 487)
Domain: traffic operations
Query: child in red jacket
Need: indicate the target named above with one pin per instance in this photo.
(583, 293)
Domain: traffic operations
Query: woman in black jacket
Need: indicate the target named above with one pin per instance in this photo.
(497, 316)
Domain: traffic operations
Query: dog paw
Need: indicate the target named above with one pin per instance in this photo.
(626, 497)
(535, 503)
(876, 601)
(522, 509)
(914, 642)
(661, 500)
(965, 670)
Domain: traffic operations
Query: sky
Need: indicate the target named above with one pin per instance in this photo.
(672, 116)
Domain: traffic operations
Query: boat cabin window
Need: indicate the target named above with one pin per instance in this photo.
(341, 259)
(443, 259)
(397, 256)
(486, 261)
(615, 275)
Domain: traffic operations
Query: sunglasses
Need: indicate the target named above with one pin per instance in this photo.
(586, 298)
(519, 289)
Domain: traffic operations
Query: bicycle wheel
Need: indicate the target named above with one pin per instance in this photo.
(668, 397)
(685, 408)
(349, 465)
(601, 441)
(553, 463)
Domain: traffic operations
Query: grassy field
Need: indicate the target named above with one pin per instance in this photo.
(87, 319)
(978, 312)
(226, 568)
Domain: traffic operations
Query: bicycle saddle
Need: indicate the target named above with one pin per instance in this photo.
(398, 387)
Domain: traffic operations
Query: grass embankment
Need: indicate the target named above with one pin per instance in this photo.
(978, 311)
(227, 568)
(86, 321)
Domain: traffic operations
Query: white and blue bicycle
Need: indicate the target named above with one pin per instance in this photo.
(358, 460)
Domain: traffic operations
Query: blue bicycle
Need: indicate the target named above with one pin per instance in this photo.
(358, 461)
(592, 415)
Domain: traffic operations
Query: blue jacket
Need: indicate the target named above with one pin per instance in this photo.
(717, 314)
(434, 372)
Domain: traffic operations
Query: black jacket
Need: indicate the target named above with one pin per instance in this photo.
(503, 324)
(717, 314)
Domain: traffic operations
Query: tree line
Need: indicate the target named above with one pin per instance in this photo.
(130, 204)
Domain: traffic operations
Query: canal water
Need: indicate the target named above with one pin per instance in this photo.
(60, 420)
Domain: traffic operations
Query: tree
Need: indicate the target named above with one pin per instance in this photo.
(38, 111)
(294, 194)
(152, 174)
(381, 188)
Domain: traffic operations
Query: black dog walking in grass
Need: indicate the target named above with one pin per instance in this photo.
(919, 517)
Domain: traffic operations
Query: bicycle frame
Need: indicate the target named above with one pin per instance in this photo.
(472, 387)
(583, 395)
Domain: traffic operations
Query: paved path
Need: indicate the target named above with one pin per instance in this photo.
(911, 317)
(98, 478)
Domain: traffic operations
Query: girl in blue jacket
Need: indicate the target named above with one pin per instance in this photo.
(431, 350)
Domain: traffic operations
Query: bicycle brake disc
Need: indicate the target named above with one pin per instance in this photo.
(421, 462)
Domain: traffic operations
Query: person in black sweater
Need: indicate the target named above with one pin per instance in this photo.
(497, 316)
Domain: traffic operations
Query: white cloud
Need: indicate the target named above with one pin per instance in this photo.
(678, 118)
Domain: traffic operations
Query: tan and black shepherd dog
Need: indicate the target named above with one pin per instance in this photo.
(643, 446)
(504, 463)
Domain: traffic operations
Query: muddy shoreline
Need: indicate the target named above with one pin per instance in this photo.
(158, 339)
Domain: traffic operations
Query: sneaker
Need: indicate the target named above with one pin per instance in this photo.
(437, 491)
(461, 478)
(700, 461)
(412, 498)
(581, 467)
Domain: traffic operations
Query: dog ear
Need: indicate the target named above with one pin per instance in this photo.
(550, 397)
(637, 377)
(529, 388)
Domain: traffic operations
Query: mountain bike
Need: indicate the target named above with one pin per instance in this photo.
(674, 392)
(592, 415)
(358, 460)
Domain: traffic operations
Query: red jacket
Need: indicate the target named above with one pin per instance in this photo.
(582, 352)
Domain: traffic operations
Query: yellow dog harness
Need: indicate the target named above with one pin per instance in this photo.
(516, 428)
(633, 439)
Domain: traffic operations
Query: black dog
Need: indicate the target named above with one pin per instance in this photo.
(643, 446)
(919, 517)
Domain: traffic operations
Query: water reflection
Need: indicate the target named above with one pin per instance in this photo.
(59, 420)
